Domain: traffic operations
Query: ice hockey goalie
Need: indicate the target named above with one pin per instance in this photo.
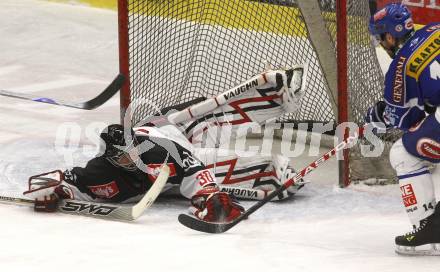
(211, 177)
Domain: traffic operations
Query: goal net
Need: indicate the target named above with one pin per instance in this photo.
(177, 50)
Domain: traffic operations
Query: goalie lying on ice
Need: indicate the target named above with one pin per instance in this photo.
(206, 174)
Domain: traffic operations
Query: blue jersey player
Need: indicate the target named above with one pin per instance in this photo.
(412, 104)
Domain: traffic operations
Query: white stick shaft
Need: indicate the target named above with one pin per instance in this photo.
(152, 193)
(350, 139)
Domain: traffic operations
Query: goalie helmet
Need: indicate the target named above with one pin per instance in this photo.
(394, 18)
(112, 135)
(116, 148)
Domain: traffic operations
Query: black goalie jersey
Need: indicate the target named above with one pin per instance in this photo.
(124, 179)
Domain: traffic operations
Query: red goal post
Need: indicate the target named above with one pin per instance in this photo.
(342, 67)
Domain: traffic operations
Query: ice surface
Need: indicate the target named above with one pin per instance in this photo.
(71, 52)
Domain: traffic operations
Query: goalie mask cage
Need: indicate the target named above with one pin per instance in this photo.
(173, 51)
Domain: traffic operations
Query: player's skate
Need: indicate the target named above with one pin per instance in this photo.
(284, 172)
(424, 240)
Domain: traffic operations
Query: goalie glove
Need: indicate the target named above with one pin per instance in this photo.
(47, 189)
(211, 205)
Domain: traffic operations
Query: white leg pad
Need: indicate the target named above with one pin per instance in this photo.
(231, 166)
(255, 171)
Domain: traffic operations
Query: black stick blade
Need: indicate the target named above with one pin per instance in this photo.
(93, 103)
(199, 225)
(103, 97)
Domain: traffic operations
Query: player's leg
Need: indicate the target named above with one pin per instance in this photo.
(409, 157)
(248, 176)
(281, 93)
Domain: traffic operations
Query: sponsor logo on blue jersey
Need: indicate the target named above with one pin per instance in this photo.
(398, 85)
(423, 55)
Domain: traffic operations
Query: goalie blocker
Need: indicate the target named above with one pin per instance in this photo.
(128, 167)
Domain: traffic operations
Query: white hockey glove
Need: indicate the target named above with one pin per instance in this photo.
(211, 205)
(291, 84)
(47, 189)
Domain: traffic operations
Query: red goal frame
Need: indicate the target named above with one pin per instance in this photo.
(342, 74)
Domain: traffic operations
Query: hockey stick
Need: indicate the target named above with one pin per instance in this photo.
(152, 194)
(203, 226)
(105, 211)
(103, 97)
